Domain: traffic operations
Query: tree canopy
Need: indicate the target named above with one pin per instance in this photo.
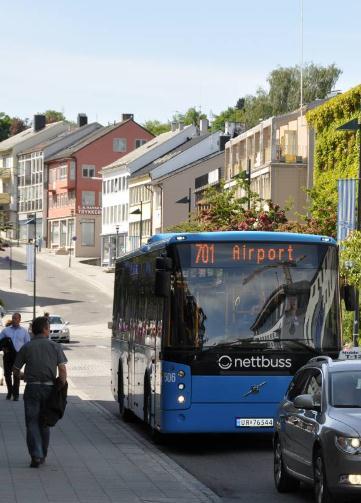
(5, 123)
(156, 127)
(53, 116)
(283, 95)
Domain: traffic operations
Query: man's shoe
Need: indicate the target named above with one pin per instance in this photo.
(16, 398)
(42, 461)
(8, 396)
(35, 463)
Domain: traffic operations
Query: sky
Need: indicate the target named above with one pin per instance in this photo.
(157, 58)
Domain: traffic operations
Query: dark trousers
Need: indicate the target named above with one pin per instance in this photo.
(12, 382)
(37, 435)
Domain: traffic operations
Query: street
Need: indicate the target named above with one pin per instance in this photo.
(236, 469)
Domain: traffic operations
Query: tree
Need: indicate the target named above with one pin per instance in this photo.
(225, 210)
(5, 123)
(191, 116)
(232, 114)
(284, 84)
(18, 125)
(53, 116)
(156, 127)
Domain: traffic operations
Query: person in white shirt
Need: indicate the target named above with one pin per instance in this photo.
(16, 336)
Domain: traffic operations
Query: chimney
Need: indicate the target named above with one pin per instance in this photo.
(223, 140)
(82, 120)
(173, 126)
(180, 125)
(126, 117)
(203, 126)
(39, 122)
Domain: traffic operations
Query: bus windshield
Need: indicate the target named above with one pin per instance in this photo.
(253, 294)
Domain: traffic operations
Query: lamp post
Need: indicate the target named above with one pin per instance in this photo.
(71, 234)
(139, 211)
(355, 125)
(116, 241)
(187, 200)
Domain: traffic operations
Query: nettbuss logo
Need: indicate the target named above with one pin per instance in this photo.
(226, 362)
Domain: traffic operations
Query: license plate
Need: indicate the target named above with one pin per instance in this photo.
(254, 422)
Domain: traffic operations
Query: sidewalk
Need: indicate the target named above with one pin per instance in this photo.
(94, 275)
(93, 458)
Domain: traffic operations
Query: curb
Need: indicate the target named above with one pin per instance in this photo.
(201, 491)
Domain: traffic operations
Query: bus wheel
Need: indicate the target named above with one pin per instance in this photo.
(125, 413)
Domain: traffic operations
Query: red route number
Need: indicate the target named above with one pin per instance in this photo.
(205, 254)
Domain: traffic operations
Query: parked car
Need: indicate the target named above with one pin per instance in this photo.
(59, 329)
(318, 430)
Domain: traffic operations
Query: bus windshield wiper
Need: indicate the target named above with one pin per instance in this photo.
(240, 342)
(298, 343)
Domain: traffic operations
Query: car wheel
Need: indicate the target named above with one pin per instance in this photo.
(283, 481)
(321, 491)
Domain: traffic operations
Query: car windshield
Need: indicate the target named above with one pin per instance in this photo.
(280, 296)
(56, 320)
(346, 389)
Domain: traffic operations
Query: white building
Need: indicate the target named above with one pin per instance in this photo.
(115, 192)
(9, 150)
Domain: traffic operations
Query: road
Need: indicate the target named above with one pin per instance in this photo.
(236, 468)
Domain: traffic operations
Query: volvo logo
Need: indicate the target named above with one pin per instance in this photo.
(225, 362)
(254, 389)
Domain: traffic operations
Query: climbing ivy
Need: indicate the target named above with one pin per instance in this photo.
(336, 152)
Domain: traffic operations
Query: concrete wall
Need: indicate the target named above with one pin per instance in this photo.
(288, 182)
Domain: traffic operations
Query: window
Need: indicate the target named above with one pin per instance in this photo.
(88, 198)
(119, 145)
(72, 170)
(88, 170)
(87, 232)
(297, 384)
(139, 143)
(63, 171)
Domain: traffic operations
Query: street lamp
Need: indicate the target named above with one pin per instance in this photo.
(355, 125)
(139, 211)
(116, 241)
(187, 200)
(71, 236)
(32, 220)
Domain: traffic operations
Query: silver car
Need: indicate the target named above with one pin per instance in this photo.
(318, 430)
(59, 329)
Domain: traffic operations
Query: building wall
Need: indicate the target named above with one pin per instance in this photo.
(288, 184)
(177, 186)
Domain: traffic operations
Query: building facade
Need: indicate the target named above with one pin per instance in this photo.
(75, 188)
(275, 154)
(9, 150)
(33, 179)
(115, 199)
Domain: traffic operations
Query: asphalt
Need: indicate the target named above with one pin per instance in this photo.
(93, 456)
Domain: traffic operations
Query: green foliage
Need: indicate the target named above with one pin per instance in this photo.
(191, 116)
(283, 95)
(336, 152)
(226, 210)
(53, 116)
(156, 127)
(350, 259)
(5, 123)
(18, 125)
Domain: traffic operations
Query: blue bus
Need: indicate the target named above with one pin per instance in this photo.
(208, 328)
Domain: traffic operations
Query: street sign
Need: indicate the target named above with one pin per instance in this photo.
(346, 211)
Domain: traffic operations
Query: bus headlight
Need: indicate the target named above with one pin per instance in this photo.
(181, 373)
(181, 386)
(181, 399)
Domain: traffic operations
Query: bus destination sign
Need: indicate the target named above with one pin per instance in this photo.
(234, 254)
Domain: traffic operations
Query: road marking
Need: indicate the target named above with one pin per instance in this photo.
(103, 347)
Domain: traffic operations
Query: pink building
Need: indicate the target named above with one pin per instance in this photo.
(74, 185)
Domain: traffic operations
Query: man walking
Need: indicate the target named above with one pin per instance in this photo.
(42, 359)
(18, 336)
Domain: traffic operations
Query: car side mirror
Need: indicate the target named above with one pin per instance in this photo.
(304, 402)
(163, 267)
(67, 323)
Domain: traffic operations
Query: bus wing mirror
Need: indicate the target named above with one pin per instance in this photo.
(162, 283)
(164, 264)
(349, 296)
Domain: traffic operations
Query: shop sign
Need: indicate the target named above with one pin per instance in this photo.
(89, 210)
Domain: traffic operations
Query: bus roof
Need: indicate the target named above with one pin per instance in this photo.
(261, 236)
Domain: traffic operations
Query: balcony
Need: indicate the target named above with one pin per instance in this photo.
(290, 154)
(4, 198)
(5, 173)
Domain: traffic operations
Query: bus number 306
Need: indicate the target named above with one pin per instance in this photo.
(169, 376)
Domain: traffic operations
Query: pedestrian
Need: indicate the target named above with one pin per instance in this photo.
(42, 358)
(18, 336)
(2, 313)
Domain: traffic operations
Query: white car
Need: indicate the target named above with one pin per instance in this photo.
(59, 329)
